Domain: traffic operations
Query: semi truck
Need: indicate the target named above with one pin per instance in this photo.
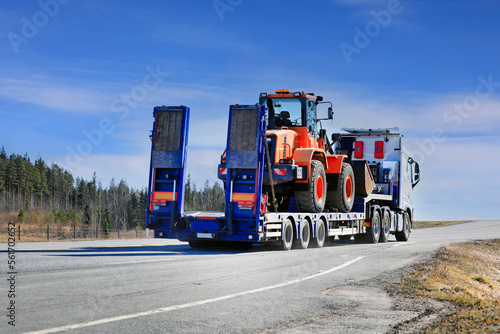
(285, 181)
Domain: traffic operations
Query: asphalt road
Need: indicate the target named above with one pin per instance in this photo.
(163, 286)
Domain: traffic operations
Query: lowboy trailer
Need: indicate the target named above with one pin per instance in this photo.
(383, 171)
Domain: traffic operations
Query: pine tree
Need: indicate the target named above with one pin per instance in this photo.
(108, 222)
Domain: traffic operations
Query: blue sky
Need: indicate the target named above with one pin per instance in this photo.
(80, 79)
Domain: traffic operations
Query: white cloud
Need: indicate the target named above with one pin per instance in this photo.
(459, 180)
(57, 96)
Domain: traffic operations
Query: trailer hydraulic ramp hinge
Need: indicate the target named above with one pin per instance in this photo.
(245, 165)
(167, 176)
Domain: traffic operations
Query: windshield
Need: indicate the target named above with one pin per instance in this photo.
(287, 112)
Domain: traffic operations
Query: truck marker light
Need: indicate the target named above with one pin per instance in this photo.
(367, 224)
(358, 150)
(379, 150)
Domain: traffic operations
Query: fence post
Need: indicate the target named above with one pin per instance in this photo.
(19, 233)
(97, 231)
(118, 232)
(74, 231)
(136, 232)
(48, 232)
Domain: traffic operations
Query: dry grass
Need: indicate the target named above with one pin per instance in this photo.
(467, 275)
(35, 223)
(428, 224)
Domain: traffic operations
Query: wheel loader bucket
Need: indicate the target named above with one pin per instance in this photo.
(364, 178)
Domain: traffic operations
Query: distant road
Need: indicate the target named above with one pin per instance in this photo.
(163, 286)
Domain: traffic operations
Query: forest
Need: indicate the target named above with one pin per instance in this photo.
(52, 195)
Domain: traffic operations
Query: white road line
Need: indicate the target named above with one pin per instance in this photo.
(403, 243)
(197, 303)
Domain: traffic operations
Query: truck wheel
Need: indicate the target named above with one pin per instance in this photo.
(341, 195)
(305, 236)
(373, 234)
(287, 235)
(313, 199)
(385, 227)
(404, 235)
(320, 239)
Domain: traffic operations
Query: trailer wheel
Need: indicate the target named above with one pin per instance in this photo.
(341, 195)
(305, 236)
(313, 199)
(320, 239)
(404, 235)
(385, 227)
(373, 234)
(287, 235)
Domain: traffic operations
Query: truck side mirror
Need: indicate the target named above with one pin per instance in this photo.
(330, 113)
(416, 176)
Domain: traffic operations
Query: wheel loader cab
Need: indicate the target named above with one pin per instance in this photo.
(290, 109)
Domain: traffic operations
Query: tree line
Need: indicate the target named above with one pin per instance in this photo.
(35, 186)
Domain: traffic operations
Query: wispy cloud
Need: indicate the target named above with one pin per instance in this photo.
(56, 96)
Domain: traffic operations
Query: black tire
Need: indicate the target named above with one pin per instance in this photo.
(373, 232)
(287, 235)
(313, 199)
(385, 227)
(345, 237)
(320, 239)
(340, 196)
(302, 242)
(404, 235)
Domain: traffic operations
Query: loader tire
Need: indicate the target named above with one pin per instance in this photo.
(340, 196)
(313, 199)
